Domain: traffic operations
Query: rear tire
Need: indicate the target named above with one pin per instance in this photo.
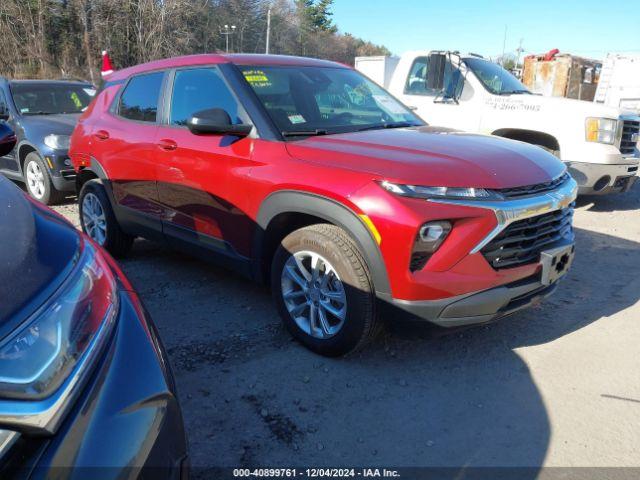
(98, 220)
(38, 180)
(329, 309)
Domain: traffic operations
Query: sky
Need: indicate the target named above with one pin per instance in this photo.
(589, 28)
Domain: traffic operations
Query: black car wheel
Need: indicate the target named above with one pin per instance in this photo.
(323, 290)
(98, 220)
(38, 180)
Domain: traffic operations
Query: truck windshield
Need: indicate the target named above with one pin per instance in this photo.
(495, 78)
(51, 98)
(305, 101)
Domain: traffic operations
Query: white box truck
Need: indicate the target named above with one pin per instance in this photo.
(598, 143)
(619, 84)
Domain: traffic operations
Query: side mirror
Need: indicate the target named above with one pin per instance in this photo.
(216, 121)
(435, 71)
(4, 113)
(7, 139)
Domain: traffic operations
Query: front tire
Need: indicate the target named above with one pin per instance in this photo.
(99, 222)
(38, 180)
(323, 290)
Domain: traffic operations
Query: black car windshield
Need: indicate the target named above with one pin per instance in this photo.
(39, 98)
(305, 101)
(495, 78)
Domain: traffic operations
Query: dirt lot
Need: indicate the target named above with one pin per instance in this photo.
(557, 385)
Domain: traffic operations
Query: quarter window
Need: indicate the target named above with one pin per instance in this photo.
(139, 101)
(199, 89)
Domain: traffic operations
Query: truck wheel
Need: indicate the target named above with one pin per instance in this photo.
(38, 181)
(323, 290)
(99, 222)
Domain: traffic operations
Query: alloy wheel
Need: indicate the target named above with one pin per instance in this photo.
(93, 218)
(313, 294)
(35, 179)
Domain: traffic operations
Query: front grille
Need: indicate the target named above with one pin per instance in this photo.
(522, 241)
(627, 145)
(534, 189)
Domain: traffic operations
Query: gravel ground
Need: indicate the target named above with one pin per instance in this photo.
(556, 385)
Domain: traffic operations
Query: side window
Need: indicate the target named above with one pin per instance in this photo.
(4, 108)
(417, 79)
(139, 101)
(200, 89)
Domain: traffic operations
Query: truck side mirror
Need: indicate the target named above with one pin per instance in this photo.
(435, 71)
(216, 121)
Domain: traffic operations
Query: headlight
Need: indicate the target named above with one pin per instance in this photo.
(416, 191)
(53, 345)
(601, 130)
(57, 142)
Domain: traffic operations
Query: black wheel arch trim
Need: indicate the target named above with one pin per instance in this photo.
(294, 201)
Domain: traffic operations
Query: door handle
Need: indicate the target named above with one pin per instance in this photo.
(168, 145)
(101, 135)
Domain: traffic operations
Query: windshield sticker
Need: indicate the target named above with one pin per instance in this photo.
(90, 91)
(389, 104)
(296, 119)
(76, 100)
(257, 78)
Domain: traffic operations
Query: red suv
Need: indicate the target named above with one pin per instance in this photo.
(306, 174)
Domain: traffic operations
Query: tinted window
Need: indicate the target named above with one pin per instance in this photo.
(139, 101)
(38, 98)
(201, 89)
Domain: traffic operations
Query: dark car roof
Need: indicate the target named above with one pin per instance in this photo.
(38, 250)
(236, 58)
(49, 82)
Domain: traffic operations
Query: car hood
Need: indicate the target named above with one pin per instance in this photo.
(51, 124)
(433, 157)
(38, 250)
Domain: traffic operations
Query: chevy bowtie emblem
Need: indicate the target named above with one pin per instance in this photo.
(562, 200)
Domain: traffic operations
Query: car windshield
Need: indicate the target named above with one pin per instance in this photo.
(495, 78)
(304, 101)
(51, 98)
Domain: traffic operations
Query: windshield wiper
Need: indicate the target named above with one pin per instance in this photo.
(304, 133)
(388, 125)
(39, 113)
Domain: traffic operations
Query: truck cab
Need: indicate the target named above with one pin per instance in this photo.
(598, 143)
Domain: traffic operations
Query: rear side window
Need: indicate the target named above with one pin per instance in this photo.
(139, 101)
(200, 89)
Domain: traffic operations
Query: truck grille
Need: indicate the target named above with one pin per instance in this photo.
(627, 145)
(534, 189)
(522, 241)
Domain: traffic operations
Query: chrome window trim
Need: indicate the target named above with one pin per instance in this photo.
(7, 439)
(510, 211)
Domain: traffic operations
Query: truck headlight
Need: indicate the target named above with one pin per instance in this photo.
(57, 142)
(417, 191)
(49, 355)
(601, 130)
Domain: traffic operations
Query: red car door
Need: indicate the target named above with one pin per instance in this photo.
(200, 177)
(125, 146)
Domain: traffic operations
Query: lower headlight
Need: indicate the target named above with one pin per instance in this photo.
(601, 130)
(429, 238)
(39, 358)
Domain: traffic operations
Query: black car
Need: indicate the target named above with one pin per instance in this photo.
(84, 380)
(43, 113)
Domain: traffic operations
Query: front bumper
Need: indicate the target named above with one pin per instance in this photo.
(600, 179)
(478, 307)
(127, 421)
(63, 176)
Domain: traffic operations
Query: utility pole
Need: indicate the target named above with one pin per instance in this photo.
(268, 29)
(504, 45)
(226, 32)
(519, 50)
